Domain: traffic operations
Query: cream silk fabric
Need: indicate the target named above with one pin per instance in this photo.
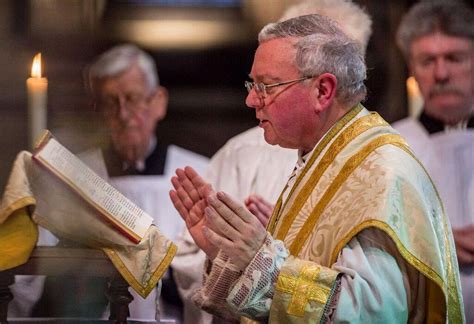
(60, 210)
(362, 175)
(360, 198)
(449, 158)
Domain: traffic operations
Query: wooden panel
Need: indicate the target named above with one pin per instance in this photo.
(57, 261)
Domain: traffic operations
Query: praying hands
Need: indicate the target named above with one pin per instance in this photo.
(463, 238)
(261, 208)
(214, 220)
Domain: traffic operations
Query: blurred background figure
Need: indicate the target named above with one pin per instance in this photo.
(125, 88)
(437, 40)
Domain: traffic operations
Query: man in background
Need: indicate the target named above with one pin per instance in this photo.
(437, 40)
(125, 87)
(124, 84)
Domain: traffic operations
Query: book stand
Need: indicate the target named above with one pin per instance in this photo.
(62, 261)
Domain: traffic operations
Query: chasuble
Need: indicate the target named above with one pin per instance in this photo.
(359, 236)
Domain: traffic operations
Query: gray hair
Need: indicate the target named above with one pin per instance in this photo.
(452, 18)
(321, 47)
(120, 58)
(352, 19)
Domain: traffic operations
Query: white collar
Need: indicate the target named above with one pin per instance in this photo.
(462, 125)
(140, 164)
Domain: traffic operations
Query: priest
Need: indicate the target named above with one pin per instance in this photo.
(358, 234)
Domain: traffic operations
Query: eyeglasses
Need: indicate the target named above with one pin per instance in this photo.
(132, 102)
(261, 88)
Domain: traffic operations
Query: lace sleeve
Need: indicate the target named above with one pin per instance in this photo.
(219, 277)
(252, 294)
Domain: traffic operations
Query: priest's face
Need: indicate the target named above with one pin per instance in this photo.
(443, 66)
(131, 111)
(284, 112)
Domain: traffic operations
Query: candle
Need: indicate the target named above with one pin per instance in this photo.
(37, 88)
(415, 100)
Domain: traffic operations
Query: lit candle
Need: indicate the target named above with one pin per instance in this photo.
(415, 100)
(37, 88)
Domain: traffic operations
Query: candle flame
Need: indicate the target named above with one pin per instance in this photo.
(414, 97)
(36, 67)
(412, 87)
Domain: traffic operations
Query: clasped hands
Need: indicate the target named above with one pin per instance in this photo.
(214, 220)
(464, 240)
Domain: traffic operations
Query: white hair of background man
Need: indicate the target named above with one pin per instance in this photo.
(352, 19)
(119, 59)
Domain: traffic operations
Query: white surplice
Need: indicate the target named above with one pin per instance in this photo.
(150, 193)
(247, 164)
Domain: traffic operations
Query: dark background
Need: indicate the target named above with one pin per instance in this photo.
(204, 79)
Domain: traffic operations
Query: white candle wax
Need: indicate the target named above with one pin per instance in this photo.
(415, 100)
(37, 88)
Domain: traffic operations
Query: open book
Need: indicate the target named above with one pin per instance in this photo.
(116, 209)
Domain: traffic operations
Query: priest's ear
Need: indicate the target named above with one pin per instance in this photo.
(323, 91)
(159, 103)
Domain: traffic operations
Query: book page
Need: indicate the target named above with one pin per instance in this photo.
(94, 189)
(149, 192)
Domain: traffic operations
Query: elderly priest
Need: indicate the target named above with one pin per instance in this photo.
(358, 235)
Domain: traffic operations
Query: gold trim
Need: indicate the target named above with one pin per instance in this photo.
(276, 211)
(139, 288)
(454, 316)
(20, 203)
(324, 142)
(18, 237)
(358, 127)
(45, 136)
(407, 255)
(352, 163)
(303, 288)
(448, 287)
(453, 296)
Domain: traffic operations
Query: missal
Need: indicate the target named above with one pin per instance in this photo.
(118, 210)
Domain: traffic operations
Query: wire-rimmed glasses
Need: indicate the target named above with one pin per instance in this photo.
(132, 102)
(261, 88)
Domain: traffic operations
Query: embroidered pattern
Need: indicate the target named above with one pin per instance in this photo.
(303, 288)
(252, 294)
